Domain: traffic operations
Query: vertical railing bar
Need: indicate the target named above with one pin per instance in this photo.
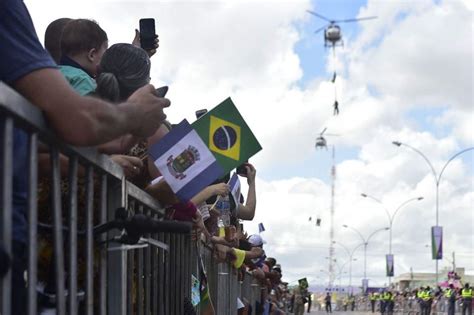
(103, 253)
(178, 273)
(7, 205)
(168, 262)
(130, 276)
(140, 253)
(72, 204)
(154, 275)
(147, 276)
(140, 281)
(32, 223)
(117, 261)
(186, 274)
(189, 260)
(58, 232)
(89, 241)
(182, 273)
(161, 281)
(173, 286)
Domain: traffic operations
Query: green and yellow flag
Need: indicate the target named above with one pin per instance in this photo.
(303, 283)
(227, 135)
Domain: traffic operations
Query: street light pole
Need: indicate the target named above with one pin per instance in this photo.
(341, 267)
(351, 254)
(328, 274)
(437, 181)
(366, 243)
(391, 218)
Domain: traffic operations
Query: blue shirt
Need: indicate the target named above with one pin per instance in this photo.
(20, 54)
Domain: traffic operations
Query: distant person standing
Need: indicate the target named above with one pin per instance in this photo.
(466, 295)
(419, 298)
(450, 296)
(309, 302)
(390, 302)
(427, 299)
(373, 299)
(299, 295)
(327, 300)
(352, 301)
(383, 302)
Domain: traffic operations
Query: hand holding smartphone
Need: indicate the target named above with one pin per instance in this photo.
(147, 34)
(242, 169)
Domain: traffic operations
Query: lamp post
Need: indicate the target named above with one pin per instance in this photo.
(437, 181)
(326, 273)
(365, 243)
(351, 254)
(341, 269)
(390, 220)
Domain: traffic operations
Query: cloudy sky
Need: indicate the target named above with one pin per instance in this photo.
(405, 76)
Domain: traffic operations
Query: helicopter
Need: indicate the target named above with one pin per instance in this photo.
(321, 141)
(332, 31)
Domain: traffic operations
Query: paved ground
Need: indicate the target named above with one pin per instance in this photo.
(339, 313)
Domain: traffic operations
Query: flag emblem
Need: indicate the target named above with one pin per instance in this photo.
(224, 138)
(185, 161)
(177, 166)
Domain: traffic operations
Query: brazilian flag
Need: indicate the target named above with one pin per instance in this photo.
(227, 135)
(303, 283)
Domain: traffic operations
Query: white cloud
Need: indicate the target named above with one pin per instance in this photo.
(423, 58)
(416, 55)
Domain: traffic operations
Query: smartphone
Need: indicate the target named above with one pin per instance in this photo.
(242, 169)
(147, 33)
(161, 91)
(200, 112)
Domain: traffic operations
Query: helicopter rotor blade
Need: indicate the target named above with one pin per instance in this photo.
(322, 132)
(355, 20)
(332, 135)
(319, 29)
(319, 16)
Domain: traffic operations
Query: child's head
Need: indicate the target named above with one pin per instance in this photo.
(85, 42)
(52, 37)
(124, 69)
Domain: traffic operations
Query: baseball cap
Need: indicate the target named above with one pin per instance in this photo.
(256, 240)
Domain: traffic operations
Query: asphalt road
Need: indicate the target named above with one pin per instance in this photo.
(339, 313)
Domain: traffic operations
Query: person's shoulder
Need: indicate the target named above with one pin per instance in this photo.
(80, 81)
(21, 51)
(73, 72)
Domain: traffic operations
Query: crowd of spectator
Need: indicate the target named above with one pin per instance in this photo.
(93, 94)
(423, 300)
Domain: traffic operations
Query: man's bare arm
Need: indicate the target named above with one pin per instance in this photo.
(86, 120)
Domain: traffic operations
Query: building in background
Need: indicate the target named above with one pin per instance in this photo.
(414, 280)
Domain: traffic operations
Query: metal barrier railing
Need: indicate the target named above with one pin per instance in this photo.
(438, 306)
(139, 281)
(224, 283)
